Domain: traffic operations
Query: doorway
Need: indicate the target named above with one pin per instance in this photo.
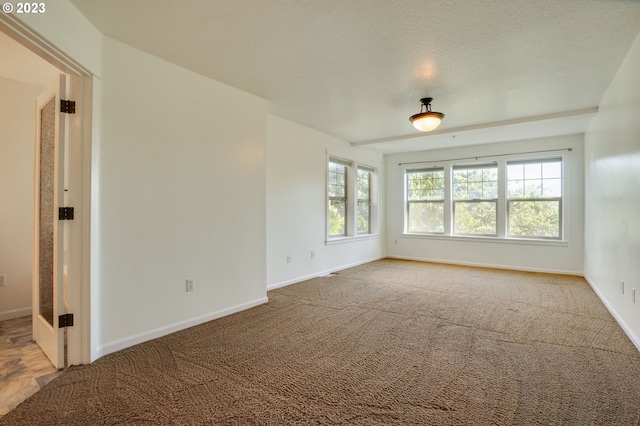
(76, 188)
(24, 366)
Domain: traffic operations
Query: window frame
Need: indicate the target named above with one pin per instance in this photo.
(455, 201)
(502, 202)
(351, 231)
(558, 199)
(343, 199)
(367, 201)
(409, 202)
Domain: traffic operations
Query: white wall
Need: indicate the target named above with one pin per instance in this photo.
(17, 152)
(558, 257)
(296, 204)
(178, 189)
(182, 195)
(612, 223)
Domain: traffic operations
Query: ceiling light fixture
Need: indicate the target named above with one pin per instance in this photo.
(426, 120)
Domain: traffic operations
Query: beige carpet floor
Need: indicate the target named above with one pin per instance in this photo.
(387, 343)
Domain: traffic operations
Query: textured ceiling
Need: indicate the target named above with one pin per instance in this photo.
(356, 69)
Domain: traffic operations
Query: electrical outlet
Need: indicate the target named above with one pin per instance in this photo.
(313, 254)
(288, 258)
(633, 295)
(190, 284)
(622, 286)
(3, 280)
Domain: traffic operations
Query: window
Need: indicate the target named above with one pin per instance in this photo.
(534, 199)
(475, 200)
(364, 200)
(425, 200)
(506, 199)
(351, 199)
(337, 198)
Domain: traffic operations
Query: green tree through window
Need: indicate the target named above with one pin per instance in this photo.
(363, 187)
(534, 198)
(475, 200)
(425, 200)
(337, 199)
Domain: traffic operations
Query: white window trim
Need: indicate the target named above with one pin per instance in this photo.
(444, 199)
(501, 236)
(479, 200)
(352, 202)
(560, 199)
(370, 172)
(347, 195)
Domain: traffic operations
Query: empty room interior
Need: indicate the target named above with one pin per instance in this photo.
(384, 164)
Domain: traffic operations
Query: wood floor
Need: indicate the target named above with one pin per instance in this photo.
(24, 368)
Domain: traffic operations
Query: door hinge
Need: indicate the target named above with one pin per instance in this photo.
(68, 107)
(65, 320)
(65, 213)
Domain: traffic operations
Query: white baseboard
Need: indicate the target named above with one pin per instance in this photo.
(320, 273)
(15, 313)
(490, 265)
(635, 339)
(126, 342)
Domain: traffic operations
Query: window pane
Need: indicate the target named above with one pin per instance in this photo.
(475, 218)
(532, 188)
(364, 212)
(337, 217)
(460, 191)
(337, 180)
(490, 174)
(534, 219)
(474, 175)
(515, 188)
(363, 184)
(336, 191)
(475, 183)
(364, 205)
(529, 215)
(425, 185)
(459, 176)
(515, 171)
(490, 189)
(543, 180)
(338, 203)
(552, 188)
(474, 190)
(533, 171)
(552, 170)
(426, 217)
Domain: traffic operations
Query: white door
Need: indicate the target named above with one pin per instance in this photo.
(49, 274)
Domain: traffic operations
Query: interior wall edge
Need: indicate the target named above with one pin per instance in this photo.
(321, 273)
(117, 345)
(635, 339)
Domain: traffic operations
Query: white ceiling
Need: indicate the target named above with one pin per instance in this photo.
(20, 64)
(356, 69)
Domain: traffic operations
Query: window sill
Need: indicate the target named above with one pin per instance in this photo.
(522, 241)
(350, 239)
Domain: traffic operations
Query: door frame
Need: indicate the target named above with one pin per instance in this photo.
(80, 132)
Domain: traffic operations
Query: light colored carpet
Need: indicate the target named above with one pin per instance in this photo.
(390, 342)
